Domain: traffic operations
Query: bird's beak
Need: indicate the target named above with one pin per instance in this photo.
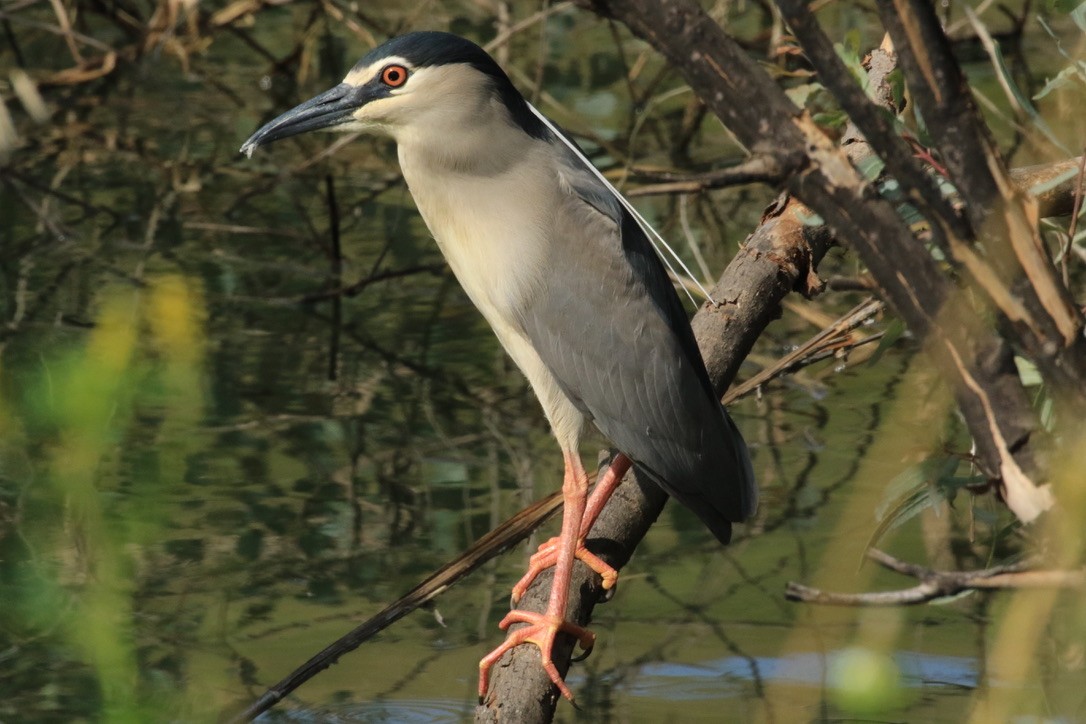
(330, 108)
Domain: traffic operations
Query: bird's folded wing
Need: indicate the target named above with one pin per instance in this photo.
(611, 329)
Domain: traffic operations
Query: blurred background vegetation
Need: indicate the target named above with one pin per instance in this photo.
(243, 404)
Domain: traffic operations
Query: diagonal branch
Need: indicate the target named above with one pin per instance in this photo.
(872, 121)
(977, 362)
(778, 258)
(1013, 267)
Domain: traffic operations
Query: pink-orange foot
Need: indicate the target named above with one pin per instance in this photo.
(541, 630)
(547, 555)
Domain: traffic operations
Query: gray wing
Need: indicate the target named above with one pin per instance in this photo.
(614, 334)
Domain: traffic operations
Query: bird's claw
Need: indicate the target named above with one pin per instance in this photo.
(541, 631)
(546, 556)
(585, 653)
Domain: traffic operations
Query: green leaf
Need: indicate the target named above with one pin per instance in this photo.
(1079, 16)
(831, 119)
(911, 216)
(896, 80)
(1062, 6)
(890, 188)
(1042, 126)
(801, 93)
(1027, 372)
(871, 166)
(946, 188)
(849, 50)
(893, 333)
(919, 487)
(1048, 415)
(811, 219)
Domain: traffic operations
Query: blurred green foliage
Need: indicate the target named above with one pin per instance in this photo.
(90, 507)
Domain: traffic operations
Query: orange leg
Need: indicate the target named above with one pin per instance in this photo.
(541, 629)
(546, 555)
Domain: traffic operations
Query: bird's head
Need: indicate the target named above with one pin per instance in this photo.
(420, 84)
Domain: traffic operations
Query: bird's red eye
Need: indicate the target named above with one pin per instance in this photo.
(394, 76)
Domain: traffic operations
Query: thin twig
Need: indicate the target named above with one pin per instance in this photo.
(353, 289)
(502, 38)
(830, 335)
(335, 277)
(756, 169)
(1072, 229)
(939, 584)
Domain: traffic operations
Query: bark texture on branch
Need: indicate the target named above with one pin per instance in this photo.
(1013, 268)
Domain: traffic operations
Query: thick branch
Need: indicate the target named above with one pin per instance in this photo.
(1053, 185)
(977, 362)
(1013, 269)
(873, 122)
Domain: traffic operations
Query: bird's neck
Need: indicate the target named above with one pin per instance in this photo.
(465, 153)
(472, 139)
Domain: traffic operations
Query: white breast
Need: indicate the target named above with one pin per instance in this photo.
(490, 229)
(494, 230)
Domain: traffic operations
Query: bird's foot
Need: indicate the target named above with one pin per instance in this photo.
(547, 555)
(541, 630)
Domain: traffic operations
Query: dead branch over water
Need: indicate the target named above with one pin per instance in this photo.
(939, 584)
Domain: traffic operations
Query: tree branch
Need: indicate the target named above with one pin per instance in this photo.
(1013, 268)
(756, 169)
(937, 584)
(873, 122)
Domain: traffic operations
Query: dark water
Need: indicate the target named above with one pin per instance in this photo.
(244, 406)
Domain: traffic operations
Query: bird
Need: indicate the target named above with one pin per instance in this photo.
(560, 267)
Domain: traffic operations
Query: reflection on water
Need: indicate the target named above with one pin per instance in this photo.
(278, 436)
(712, 681)
(406, 711)
(709, 680)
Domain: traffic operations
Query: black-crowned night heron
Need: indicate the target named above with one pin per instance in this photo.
(567, 278)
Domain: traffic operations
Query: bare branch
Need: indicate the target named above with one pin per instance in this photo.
(938, 584)
(756, 169)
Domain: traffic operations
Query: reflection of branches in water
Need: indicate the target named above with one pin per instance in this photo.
(399, 497)
(696, 611)
(486, 548)
(417, 669)
(674, 632)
